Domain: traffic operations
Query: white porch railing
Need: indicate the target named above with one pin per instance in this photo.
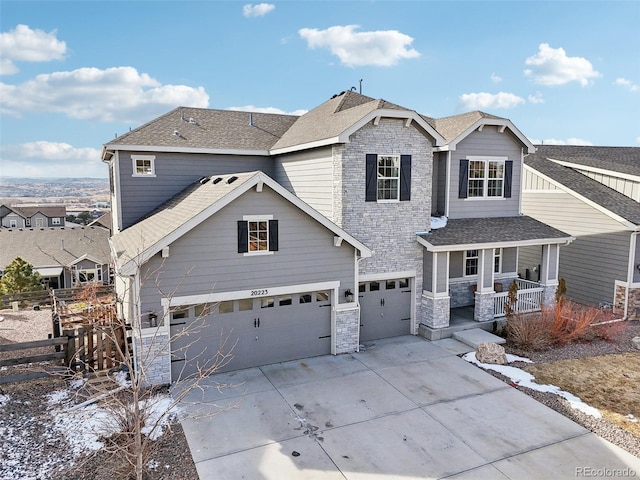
(530, 297)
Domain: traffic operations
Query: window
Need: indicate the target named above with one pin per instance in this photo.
(27, 222)
(305, 298)
(374, 286)
(485, 177)
(391, 284)
(245, 304)
(87, 275)
(471, 262)
(223, 307)
(13, 223)
(39, 222)
(388, 178)
(180, 313)
(257, 235)
(497, 260)
(285, 300)
(143, 165)
(267, 302)
(55, 221)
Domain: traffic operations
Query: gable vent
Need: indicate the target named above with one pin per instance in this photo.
(230, 180)
(217, 180)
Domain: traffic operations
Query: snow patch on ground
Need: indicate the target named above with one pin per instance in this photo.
(3, 399)
(525, 379)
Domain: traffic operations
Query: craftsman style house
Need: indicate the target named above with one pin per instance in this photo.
(593, 193)
(32, 217)
(313, 234)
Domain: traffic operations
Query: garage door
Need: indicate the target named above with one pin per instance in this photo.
(385, 309)
(253, 331)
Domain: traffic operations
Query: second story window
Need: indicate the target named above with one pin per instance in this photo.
(257, 235)
(485, 177)
(143, 165)
(388, 177)
(55, 221)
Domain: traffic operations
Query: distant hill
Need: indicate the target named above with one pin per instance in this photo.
(52, 188)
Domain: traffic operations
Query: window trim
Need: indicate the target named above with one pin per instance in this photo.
(497, 255)
(55, 221)
(465, 177)
(396, 161)
(152, 165)
(13, 223)
(272, 242)
(39, 222)
(468, 257)
(372, 178)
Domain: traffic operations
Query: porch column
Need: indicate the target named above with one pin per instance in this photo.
(436, 306)
(483, 310)
(549, 273)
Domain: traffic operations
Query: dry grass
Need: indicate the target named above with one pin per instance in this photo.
(608, 383)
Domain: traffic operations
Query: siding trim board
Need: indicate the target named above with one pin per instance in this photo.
(583, 199)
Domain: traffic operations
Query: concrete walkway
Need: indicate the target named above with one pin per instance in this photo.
(402, 409)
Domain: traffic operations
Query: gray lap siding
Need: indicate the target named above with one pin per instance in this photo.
(205, 260)
(173, 173)
(489, 142)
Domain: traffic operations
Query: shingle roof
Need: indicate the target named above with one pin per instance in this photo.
(48, 211)
(451, 127)
(54, 246)
(332, 118)
(171, 215)
(579, 183)
(211, 129)
(470, 231)
(617, 159)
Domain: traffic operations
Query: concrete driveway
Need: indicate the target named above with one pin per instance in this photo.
(403, 409)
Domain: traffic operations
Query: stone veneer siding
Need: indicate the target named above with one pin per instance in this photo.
(153, 359)
(483, 309)
(633, 303)
(388, 229)
(347, 334)
(436, 312)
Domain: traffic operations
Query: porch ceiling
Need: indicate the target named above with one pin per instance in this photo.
(477, 233)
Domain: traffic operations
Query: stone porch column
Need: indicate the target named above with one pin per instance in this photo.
(483, 310)
(549, 273)
(436, 305)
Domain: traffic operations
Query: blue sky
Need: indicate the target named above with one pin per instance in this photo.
(73, 74)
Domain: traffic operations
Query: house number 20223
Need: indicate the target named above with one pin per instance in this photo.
(255, 293)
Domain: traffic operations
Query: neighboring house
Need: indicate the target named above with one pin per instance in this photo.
(64, 257)
(368, 167)
(103, 221)
(593, 193)
(16, 216)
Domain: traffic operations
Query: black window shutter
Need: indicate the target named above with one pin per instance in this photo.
(463, 182)
(405, 177)
(371, 178)
(508, 175)
(243, 236)
(273, 235)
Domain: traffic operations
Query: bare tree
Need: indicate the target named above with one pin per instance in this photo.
(137, 409)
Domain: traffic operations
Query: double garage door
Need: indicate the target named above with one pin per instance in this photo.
(385, 308)
(250, 332)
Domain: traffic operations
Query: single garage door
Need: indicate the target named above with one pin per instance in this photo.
(385, 309)
(254, 331)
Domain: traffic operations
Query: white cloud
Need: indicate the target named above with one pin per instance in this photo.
(551, 66)
(535, 98)
(480, 101)
(569, 141)
(252, 108)
(356, 49)
(495, 78)
(623, 82)
(25, 45)
(118, 94)
(257, 10)
(51, 159)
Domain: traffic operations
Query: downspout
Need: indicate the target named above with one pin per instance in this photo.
(631, 265)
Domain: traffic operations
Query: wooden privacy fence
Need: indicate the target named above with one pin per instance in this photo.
(82, 349)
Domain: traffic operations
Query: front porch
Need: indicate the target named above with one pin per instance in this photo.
(470, 264)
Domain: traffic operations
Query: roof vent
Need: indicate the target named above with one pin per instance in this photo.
(203, 180)
(217, 180)
(192, 121)
(230, 180)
